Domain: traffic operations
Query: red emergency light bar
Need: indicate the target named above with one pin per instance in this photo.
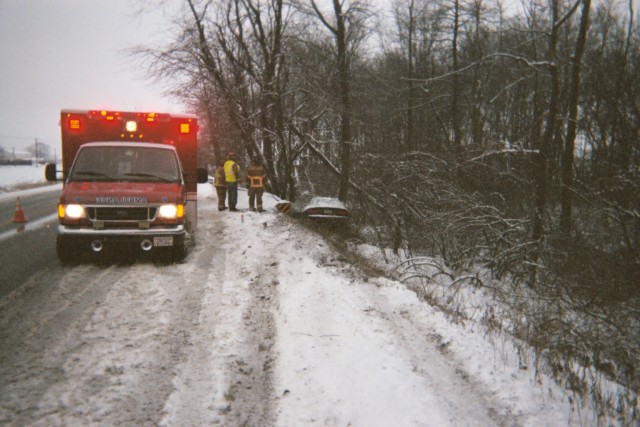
(130, 125)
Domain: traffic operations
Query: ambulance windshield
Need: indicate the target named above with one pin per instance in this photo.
(125, 163)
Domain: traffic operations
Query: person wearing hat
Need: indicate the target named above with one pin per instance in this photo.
(255, 184)
(232, 175)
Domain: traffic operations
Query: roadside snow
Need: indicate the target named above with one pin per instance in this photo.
(11, 176)
(364, 351)
(265, 324)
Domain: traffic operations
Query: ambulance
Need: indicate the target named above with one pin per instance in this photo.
(129, 180)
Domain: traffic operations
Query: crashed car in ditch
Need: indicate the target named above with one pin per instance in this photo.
(326, 208)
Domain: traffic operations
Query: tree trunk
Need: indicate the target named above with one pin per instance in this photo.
(549, 130)
(345, 100)
(455, 83)
(410, 101)
(569, 144)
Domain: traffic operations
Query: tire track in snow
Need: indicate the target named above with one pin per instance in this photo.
(41, 325)
(192, 401)
(250, 282)
(225, 378)
(428, 354)
(252, 391)
(121, 374)
(449, 395)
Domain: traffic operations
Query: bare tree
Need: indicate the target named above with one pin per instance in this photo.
(455, 80)
(569, 143)
(242, 58)
(346, 29)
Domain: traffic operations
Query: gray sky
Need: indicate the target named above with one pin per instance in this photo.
(57, 54)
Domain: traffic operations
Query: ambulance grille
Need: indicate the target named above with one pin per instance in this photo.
(121, 214)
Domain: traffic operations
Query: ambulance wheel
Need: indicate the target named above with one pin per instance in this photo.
(67, 253)
(178, 252)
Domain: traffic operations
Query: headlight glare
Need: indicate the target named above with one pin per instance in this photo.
(74, 211)
(168, 211)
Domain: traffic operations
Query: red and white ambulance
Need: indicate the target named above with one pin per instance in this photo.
(130, 178)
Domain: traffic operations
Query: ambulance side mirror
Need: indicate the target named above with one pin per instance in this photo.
(50, 172)
(203, 175)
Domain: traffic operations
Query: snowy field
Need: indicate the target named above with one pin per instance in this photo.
(20, 176)
(350, 349)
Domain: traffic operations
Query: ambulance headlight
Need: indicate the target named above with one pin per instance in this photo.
(171, 211)
(71, 211)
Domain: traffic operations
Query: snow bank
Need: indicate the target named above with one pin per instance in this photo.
(20, 176)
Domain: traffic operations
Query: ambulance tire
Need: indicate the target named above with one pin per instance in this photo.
(66, 251)
(178, 252)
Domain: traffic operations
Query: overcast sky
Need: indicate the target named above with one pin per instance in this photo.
(57, 54)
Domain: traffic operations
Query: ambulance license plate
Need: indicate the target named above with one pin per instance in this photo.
(163, 241)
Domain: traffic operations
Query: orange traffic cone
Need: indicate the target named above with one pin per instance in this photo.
(19, 215)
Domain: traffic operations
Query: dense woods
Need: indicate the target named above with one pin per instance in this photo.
(496, 137)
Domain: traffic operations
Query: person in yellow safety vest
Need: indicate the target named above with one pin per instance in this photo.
(232, 175)
(220, 183)
(255, 184)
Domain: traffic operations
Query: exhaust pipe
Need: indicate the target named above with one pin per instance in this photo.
(146, 245)
(97, 246)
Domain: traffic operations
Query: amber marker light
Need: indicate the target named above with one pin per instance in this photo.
(74, 124)
(107, 116)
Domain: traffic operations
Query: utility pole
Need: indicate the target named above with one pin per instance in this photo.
(36, 162)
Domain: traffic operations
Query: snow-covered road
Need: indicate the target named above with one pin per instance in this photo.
(265, 324)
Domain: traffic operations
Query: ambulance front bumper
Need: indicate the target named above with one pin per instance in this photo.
(177, 230)
(97, 239)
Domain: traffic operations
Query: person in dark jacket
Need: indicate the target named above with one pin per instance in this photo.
(220, 183)
(256, 175)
